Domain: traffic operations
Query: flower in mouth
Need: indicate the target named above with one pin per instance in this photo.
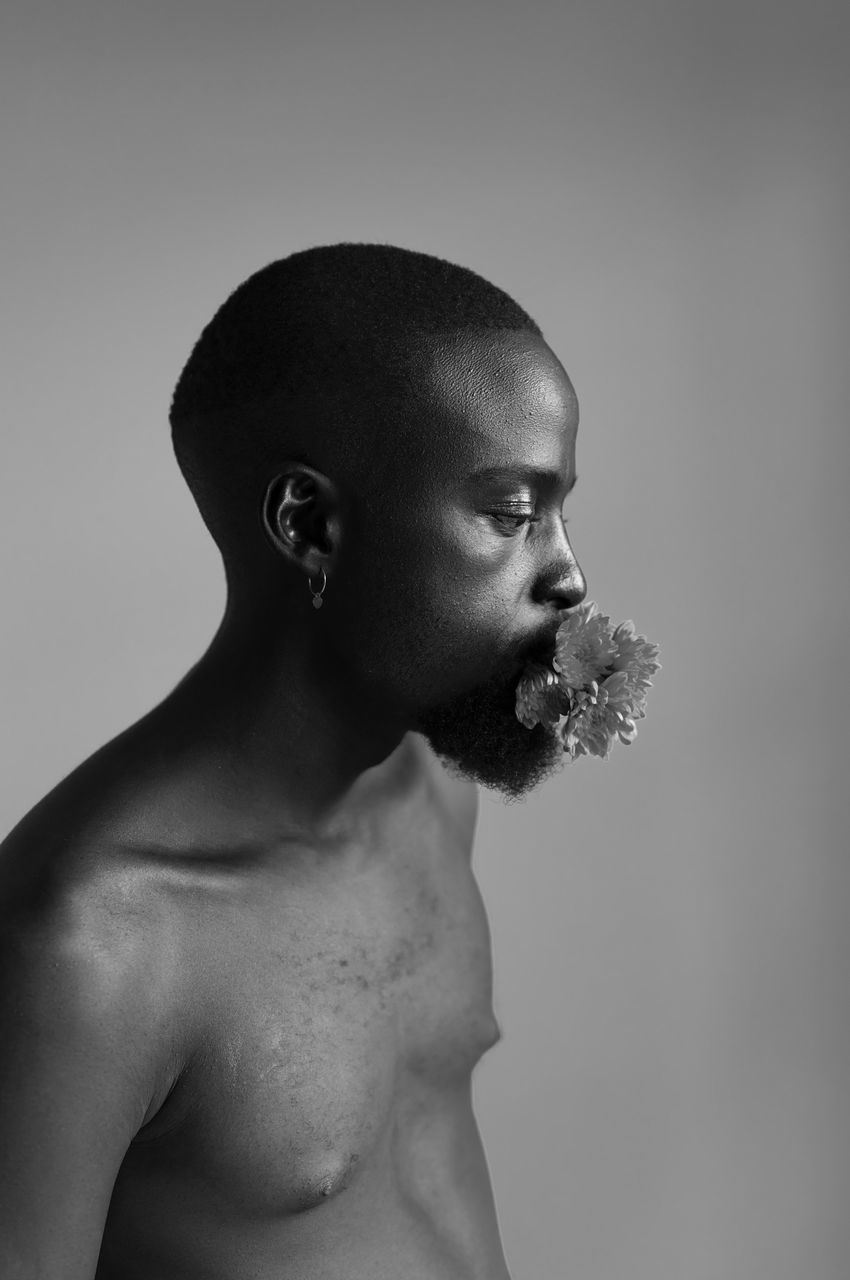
(584, 647)
(595, 689)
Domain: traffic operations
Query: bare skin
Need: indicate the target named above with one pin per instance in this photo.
(304, 1083)
(246, 965)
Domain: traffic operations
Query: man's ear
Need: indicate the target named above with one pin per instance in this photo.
(301, 517)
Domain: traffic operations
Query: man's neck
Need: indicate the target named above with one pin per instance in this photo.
(259, 725)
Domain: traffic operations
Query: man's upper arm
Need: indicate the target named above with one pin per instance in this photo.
(80, 1043)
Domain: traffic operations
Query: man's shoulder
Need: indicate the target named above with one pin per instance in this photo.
(83, 926)
(91, 980)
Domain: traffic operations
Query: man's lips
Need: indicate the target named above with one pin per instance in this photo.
(539, 652)
(532, 662)
(543, 654)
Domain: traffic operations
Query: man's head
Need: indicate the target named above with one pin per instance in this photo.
(399, 422)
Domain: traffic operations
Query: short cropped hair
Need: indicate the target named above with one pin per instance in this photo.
(337, 321)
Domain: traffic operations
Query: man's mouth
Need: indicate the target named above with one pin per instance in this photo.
(542, 656)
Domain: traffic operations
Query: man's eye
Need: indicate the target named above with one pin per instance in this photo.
(512, 519)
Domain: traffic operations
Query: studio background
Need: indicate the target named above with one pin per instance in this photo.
(664, 187)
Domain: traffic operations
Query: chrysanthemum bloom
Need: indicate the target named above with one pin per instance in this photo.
(597, 687)
(584, 646)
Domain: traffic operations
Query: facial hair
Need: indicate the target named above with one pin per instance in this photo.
(479, 736)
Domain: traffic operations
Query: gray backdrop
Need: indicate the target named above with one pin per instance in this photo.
(664, 187)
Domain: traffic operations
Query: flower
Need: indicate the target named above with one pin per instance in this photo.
(596, 689)
(539, 698)
(584, 646)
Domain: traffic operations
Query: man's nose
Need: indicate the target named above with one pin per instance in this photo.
(565, 585)
(571, 587)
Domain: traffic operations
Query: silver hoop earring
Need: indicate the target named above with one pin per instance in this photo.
(317, 595)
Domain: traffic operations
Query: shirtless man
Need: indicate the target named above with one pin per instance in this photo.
(246, 965)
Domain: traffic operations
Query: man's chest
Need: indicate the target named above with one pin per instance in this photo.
(343, 1011)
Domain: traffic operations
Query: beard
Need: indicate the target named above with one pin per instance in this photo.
(478, 735)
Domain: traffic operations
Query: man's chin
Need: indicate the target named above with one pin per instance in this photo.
(478, 735)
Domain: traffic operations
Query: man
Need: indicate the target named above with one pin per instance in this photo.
(246, 966)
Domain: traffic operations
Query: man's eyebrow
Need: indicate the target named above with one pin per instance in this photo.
(542, 475)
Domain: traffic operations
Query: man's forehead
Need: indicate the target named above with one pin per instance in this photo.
(495, 363)
(502, 394)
